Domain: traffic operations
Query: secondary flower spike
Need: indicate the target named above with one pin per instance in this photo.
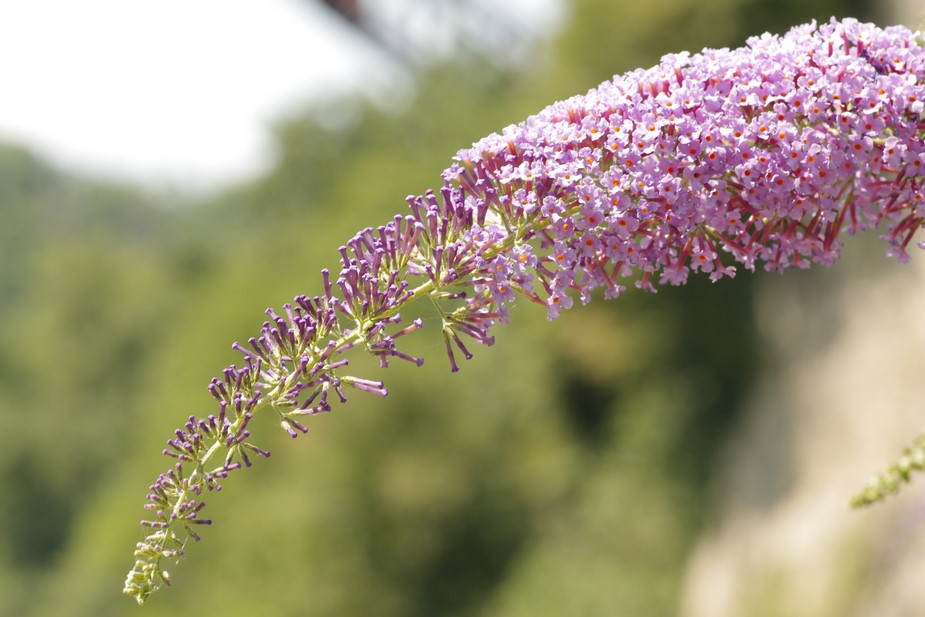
(764, 154)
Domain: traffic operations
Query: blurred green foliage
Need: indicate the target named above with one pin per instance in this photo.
(566, 471)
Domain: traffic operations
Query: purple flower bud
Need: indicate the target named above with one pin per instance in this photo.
(291, 426)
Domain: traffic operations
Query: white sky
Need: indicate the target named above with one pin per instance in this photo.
(176, 92)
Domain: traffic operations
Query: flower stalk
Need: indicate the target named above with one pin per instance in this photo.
(764, 154)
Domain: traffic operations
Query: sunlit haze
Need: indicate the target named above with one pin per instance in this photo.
(177, 92)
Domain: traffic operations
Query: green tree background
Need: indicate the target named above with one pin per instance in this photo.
(565, 471)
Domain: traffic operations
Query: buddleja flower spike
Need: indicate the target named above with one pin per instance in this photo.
(768, 153)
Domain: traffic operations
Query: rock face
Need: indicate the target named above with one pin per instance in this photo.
(842, 396)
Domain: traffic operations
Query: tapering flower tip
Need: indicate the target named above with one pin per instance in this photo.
(764, 154)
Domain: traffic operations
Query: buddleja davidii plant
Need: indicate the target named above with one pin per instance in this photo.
(766, 153)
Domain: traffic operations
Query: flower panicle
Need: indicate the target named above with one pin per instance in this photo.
(767, 154)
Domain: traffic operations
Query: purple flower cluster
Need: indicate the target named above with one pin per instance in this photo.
(766, 153)
(761, 154)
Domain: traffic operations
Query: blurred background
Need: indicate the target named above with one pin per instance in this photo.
(170, 169)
